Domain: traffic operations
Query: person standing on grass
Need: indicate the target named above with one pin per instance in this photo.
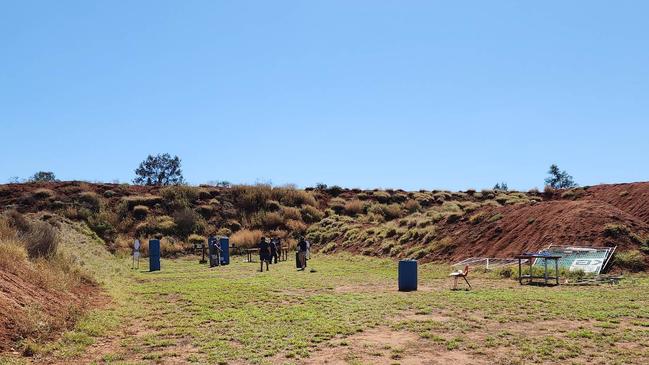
(278, 243)
(302, 248)
(273, 250)
(264, 253)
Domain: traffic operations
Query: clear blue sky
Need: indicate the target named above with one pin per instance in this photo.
(453, 94)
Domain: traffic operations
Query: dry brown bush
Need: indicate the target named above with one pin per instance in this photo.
(311, 214)
(187, 221)
(412, 206)
(354, 207)
(291, 213)
(267, 220)
(296, 226)
(246, 238)
(90, 200)
(43, 193)
(140, 211)
(179, 196)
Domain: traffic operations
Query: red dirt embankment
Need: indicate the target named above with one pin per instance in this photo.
(632, 198)
(524, 228)
(29, 309)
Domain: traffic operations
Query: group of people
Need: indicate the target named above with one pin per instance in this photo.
(269, 251)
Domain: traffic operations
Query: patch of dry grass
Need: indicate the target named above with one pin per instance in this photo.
(246, 238)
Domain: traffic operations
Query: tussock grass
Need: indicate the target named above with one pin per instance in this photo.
(246, 238)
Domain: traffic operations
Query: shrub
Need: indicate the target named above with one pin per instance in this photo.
(334, 190)
(204, 194)
(616, 230)
(267, 220)
(291, 213)
(506, 272)
(140, 211)
(187, 221)
(103, 224)
(233, 225)
(362, 196)
(164, 224)
(502, 198)
(179, 196)
(41, 240)
(205, 210)
(630, 260)
(273, 205)
(392, 211)
(293, 197)
(296, 226)
(412, 206)
(91, 200)
(43, 176)
(195, 239)
(250, 198)
(381, 196)
(109, 194)
(42, 193)
(549, 190)
(246, 238)
(354, 207)
(148, 200)
(453, 217)
(311, 214)
(337, 205)
(496, 217)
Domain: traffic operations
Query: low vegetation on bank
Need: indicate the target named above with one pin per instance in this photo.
(42, 290)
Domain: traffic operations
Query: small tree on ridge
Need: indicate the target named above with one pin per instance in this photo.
(43, 176)
(159, 170)
(559, 179)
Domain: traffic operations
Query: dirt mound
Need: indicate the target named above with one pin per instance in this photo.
(632, 198)
(28, 308)
(519, 228)
(40, 295)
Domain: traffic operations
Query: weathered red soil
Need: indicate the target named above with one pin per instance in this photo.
(632, 198)
(28, 309)
(533, 227)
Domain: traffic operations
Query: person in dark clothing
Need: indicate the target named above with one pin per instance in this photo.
(278, 243)
(302, 248)
(264, 253)
(273, 249)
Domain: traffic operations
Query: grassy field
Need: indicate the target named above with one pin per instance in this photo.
(348, 312)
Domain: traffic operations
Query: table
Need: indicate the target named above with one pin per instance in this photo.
(250, 252)
(531, 257)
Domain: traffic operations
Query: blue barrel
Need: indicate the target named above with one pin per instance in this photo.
(225, 250)
(407, 275)
(154, 255)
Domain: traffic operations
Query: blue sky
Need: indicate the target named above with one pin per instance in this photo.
(414, 94)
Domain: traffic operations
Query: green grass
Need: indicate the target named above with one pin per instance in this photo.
(193, 314)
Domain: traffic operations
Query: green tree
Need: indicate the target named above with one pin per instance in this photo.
(159, 170)
(501, 186)
(43, 176)
(559, 179)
